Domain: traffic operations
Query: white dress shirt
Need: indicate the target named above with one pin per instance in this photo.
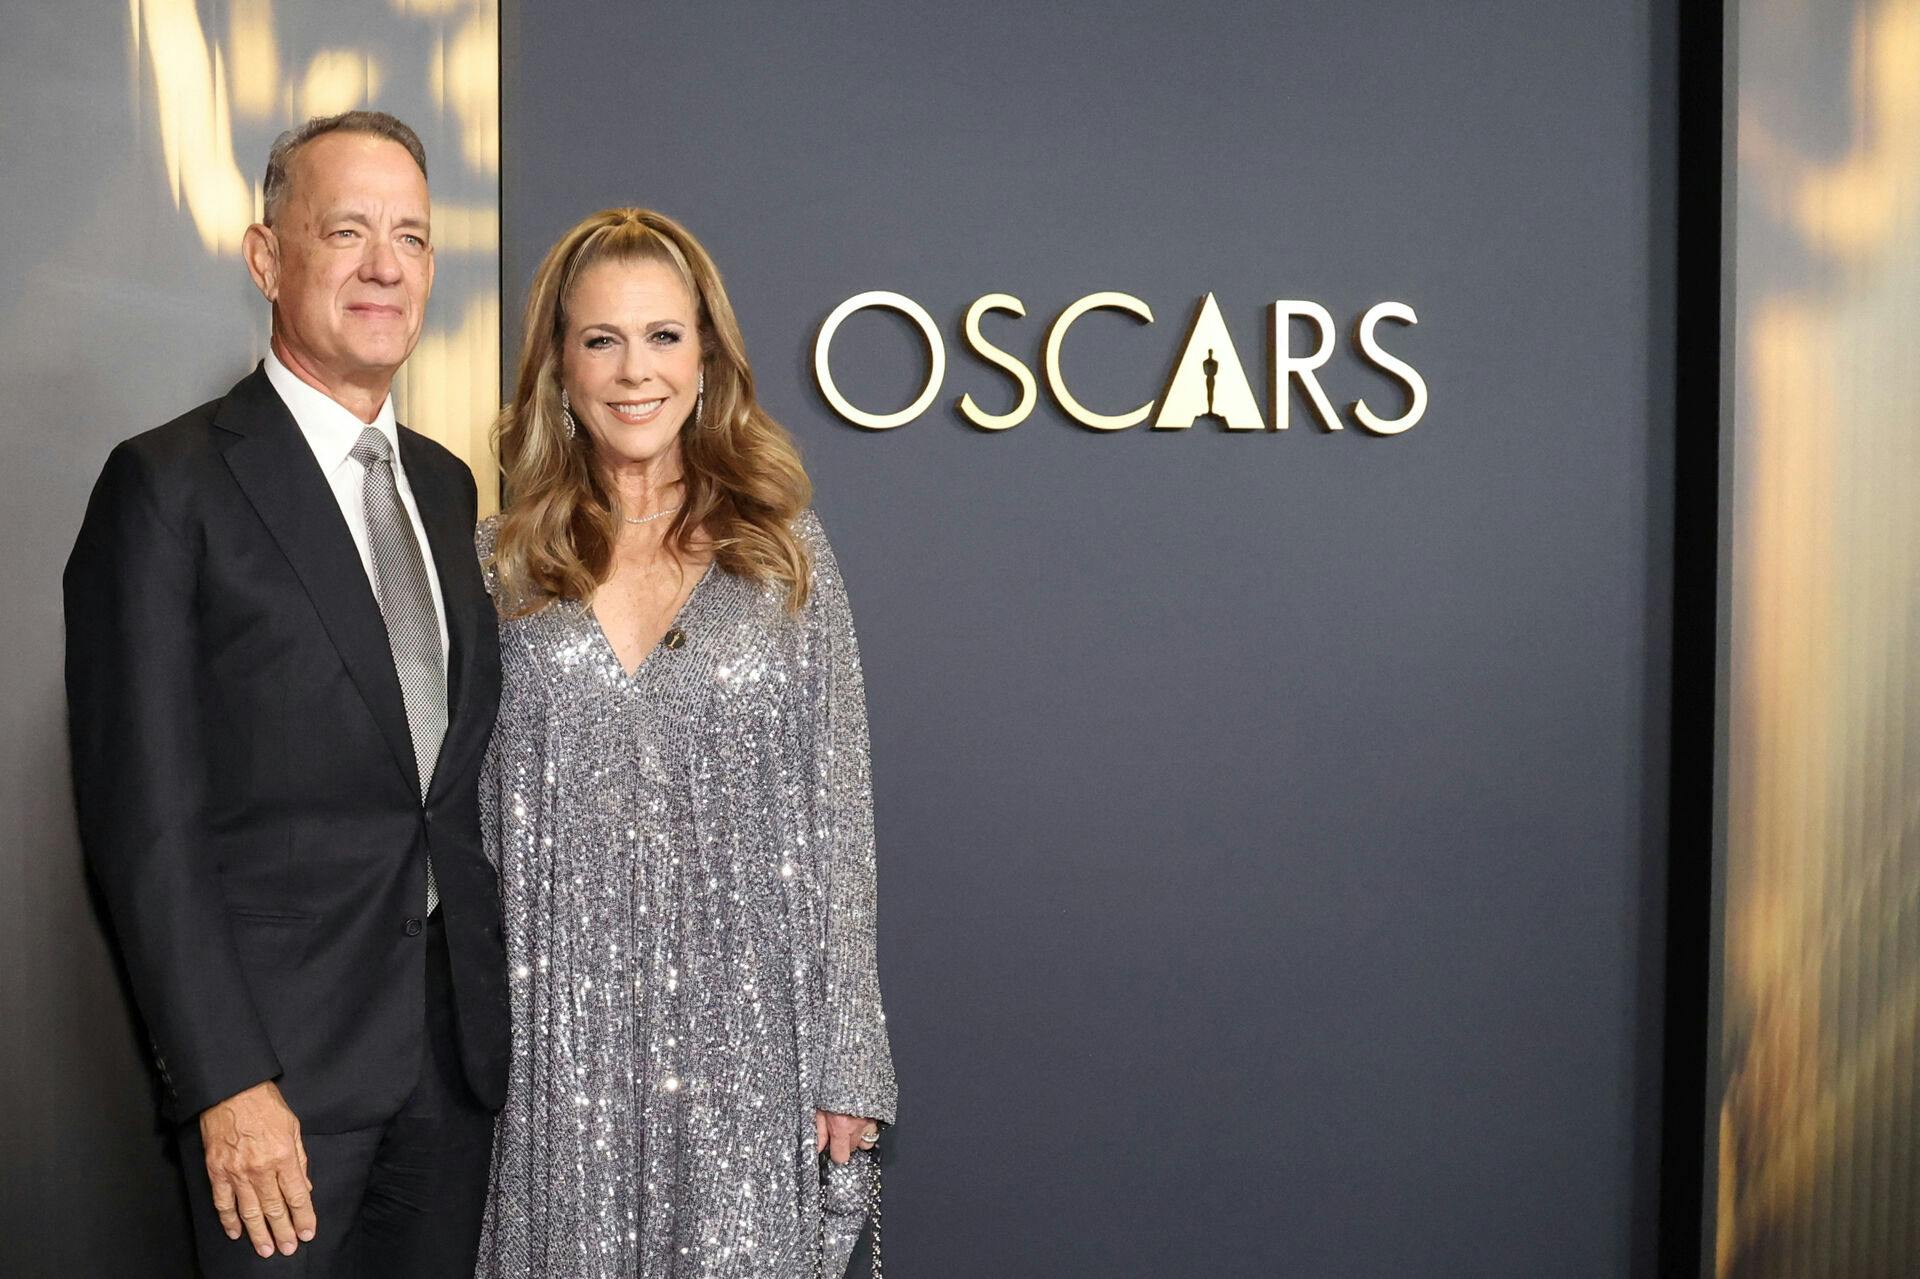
(331, 431)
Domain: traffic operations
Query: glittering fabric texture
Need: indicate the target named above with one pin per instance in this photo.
(687, 864)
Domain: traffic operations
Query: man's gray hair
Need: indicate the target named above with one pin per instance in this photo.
(273, 192)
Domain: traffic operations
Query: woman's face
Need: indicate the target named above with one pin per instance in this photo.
(631, 365)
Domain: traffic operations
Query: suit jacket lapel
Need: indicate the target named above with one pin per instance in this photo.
(450, 536)
(276, 470)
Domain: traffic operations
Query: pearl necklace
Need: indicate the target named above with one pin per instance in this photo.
(648, 519)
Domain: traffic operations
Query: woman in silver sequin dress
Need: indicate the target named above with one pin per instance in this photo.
(677, 800)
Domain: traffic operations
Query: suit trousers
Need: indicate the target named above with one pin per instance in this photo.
(401, 1199)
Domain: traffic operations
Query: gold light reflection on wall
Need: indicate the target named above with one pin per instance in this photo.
(338, 80)
(466, 82)
(465, 228)
(1819, 1122)
(254, 58)
(195, 122)
(220, 102)
(1855, 207)
(457, 411)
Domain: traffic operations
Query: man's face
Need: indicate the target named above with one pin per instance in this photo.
(354, 262)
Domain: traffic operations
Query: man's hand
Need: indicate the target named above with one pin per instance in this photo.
(841, 1135)
(258, 1168)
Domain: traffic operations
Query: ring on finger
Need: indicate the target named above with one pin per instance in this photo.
(869, 1137)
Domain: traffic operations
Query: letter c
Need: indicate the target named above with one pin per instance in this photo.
(936, 351)
(1076, 410)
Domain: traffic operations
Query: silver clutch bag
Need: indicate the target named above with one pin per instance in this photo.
(849, 1200)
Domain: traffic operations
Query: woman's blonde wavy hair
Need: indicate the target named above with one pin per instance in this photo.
(744, 481)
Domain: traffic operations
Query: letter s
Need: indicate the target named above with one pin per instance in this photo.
(994, 355)
(1394, 367)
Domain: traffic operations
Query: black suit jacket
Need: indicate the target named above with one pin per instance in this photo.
(245, 781)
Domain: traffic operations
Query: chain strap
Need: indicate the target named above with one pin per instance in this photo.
(873, 1215)
(873, 1211)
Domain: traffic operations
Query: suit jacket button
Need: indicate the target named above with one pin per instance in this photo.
(413, 928)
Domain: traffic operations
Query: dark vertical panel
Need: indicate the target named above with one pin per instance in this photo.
(1695, 792)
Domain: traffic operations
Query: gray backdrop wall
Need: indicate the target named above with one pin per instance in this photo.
(1271, 823)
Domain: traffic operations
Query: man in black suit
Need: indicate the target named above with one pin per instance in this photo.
(282, 670)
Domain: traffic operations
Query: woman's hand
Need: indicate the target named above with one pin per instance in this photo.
(841, 1135)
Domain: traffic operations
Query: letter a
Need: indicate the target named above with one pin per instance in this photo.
(1188, 392)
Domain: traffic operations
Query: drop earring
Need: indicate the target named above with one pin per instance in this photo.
(699, 399)
(566, 413)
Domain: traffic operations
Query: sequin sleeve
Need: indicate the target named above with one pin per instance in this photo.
(856, 1073)
(483, 537)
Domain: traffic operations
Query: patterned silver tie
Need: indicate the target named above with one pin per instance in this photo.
(406, 602)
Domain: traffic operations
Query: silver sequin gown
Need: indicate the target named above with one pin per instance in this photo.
(687, 865)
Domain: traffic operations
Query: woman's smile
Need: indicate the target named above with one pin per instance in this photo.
(636, 412)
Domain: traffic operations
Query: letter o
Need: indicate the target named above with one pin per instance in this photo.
(936, 351)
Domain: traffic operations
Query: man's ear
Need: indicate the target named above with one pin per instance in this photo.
(261, 248)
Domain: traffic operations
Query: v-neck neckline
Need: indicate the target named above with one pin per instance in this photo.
(646, 658)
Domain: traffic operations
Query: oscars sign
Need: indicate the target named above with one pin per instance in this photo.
(1207, 379)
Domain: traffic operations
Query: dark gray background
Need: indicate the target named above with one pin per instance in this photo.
(1271, 824)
